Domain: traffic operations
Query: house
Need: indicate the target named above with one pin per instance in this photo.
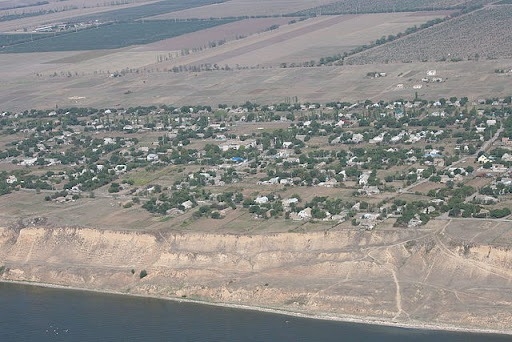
(483, 159)
(11, 179)
(363, 178)
(261, 200)
(506, 157)
(478, 198)
(304, 214)
(152, 157)
(357, 138)
(289, 201)
(187, 204)
(237, 159)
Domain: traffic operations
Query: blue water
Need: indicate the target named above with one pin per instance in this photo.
(30, 313)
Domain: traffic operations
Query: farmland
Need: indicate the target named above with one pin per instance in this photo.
(238, 8)
(384, 6)
(483, 34)
(111, 36)
(217, 35)
(286, 44)
(147, 10)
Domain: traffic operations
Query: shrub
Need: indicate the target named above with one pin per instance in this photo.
(143, 273)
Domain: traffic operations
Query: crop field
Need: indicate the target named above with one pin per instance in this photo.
(237, 8)
(12, 39)
(147, 10)
(29, 23)
(385, 6)
(483, 34)
(20, 7)
(113, 36)
(325, 36)
(226, 32)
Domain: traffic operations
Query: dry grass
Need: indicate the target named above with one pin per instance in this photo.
(482, 34)
(23, 90)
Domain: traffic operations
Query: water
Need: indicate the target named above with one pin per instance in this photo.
(30, 313)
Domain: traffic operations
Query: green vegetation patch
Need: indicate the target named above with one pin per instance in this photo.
(111, 36)
(13, 39)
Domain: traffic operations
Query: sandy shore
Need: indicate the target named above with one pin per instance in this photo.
(340, 318)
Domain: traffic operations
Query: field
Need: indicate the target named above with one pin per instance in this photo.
(482, 34)
(146, 10)
(255, 62)
(111, 36)
(383, 6)
(287, 44)
(31, 22)
(30, 6)
(237, 8)
(222, 33)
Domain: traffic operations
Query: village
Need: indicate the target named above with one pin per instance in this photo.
(361, 164)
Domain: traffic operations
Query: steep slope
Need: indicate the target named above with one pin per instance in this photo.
(402, 275)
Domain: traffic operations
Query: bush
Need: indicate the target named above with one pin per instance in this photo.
(143, 273)
(499, 213)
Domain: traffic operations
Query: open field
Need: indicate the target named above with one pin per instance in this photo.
(483, 34)
(237, 8)
(21, 89)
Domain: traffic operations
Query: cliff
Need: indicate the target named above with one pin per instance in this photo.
(406, 275)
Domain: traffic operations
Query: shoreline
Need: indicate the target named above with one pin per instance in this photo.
(414, 325)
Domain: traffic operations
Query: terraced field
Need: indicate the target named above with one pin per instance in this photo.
(483, 34)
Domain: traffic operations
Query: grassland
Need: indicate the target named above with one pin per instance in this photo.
(111, 36)
(483, 34)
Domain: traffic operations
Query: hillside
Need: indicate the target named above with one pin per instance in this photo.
(406, 276)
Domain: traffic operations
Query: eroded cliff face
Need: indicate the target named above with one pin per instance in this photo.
(400, 275)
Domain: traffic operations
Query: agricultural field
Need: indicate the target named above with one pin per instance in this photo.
(24, 23)
(112, 36)
(325, 35)
(386, 6)
(217, 35)
(29, 6)
(483, 34)
(238, 8)
(147, 10)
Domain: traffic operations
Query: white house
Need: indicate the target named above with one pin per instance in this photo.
(261, 200)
